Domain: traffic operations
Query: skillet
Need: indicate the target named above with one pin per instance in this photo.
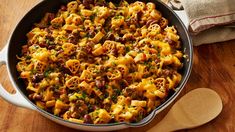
(18, 38)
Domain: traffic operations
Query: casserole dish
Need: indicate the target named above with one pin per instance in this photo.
(8, 56)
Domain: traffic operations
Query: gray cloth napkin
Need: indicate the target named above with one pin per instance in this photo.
(209, 21)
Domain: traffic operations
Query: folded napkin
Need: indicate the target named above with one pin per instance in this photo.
(209, 21)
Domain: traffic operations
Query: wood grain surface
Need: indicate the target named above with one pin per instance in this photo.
(213, 67)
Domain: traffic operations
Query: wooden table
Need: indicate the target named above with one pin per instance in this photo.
(213, 67)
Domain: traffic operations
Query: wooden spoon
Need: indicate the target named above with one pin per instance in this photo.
(196, 108)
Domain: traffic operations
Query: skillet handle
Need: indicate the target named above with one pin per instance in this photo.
(183, 16)
(16, 98)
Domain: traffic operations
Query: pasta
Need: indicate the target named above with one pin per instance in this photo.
(98, 62)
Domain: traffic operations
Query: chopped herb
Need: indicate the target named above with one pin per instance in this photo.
(106, 94)
(145, 63)
(28, 57)
(145, 75)
(51, 43)
(118, 17)
(95, 12)
(112, 115)
(158, 55)
(56, 25)
(47, 41)
(79, 13)
(89, 106)
(118, 91)
(110, 69)
(77, 97)
(34, 71)
(83, 18)
(84, 95)
(151, 67)
(106, 86)
(47, 72)
(127, 49)
(128, 17)
(96, 88)
(114, 63)
(114, 97)
(101, 97)
(56, 86)
(64, 38)
(92, 17)
(96, 71)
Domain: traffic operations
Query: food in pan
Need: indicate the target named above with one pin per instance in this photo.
(98, 62)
